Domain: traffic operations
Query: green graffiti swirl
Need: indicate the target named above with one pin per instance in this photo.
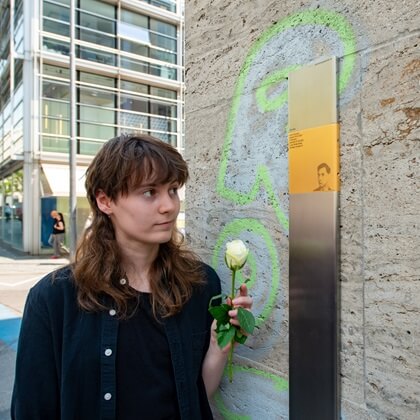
(279, 384)
(234, 229)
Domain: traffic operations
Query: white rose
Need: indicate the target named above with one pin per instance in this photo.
(236, 254)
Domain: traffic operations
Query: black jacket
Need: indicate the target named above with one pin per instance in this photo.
(65, 368)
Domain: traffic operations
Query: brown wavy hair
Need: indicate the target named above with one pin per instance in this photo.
(122, 165)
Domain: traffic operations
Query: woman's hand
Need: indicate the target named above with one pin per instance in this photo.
(242, 300)
(216, 357)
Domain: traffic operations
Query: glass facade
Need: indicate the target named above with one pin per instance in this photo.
(11, 202)
(133, 40)
(128, 78)
(108, 105)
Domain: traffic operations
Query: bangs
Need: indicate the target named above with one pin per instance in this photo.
(155, 171)
(126, 163)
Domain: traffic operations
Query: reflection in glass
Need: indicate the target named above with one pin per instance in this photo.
(96, 79)
(55, 144)
(55, 90)
(55, 46)
(58, 126)
(169, 138)
(89, 147)
(56, 27)
(164, 4)
(94, 114)
(135, 33)
(97, 97)
(134, 120)
(98, 8)
(134, 86)
(163, 124)
(97, 23)
(134, 48)
(134, 103)
(95, 55)
(11, 214)
(96, 131)
(55, 71)
(161, 108)
(55, 11)
(97, 38)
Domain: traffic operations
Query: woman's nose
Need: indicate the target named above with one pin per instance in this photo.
(167, 203)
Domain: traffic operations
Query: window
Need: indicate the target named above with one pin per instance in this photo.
(97, 23)
(135, 19)
(162, 108)
(164, 93)
(163, 28)
(98, 8)
(56, 90)
(55, 108)
(56, 19)
(148, 37)
(100, 98)
(96, 55)
(134, 48)
(56, 12)
(50, 70)
(96, 131)
(96, 79)
(134, 87)
(163, 4)
(97, 38)
(55, 46)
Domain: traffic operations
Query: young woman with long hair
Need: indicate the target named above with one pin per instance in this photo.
(124, 331)
(58, 232)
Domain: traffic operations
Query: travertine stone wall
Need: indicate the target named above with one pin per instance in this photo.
(236, 146)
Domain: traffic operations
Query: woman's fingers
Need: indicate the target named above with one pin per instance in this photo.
(242, 300)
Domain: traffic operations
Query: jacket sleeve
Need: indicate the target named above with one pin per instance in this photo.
(36, 394)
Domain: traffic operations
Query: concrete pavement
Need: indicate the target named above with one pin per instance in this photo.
(18, 273)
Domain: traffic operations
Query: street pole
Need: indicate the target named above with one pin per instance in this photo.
(73, 144)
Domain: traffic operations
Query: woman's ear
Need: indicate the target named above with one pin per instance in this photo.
(103, 202)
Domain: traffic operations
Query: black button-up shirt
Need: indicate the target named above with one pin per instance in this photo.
(65, 366)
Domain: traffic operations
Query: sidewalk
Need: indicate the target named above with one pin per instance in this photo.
(18, 273)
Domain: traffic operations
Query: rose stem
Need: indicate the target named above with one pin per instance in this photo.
(230, 358)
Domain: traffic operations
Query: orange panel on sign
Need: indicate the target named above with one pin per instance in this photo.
(314, 159)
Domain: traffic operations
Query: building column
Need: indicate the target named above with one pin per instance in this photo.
(31, 190)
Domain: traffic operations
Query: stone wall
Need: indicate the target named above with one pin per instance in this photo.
(236, 146)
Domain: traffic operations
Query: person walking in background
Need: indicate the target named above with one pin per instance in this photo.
(124, 332)
(57, 236)
(7, 212)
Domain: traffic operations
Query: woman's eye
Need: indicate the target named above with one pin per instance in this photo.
(173, 191)
(148, 193)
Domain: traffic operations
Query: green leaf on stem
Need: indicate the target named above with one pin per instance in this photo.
(224, 337)
(217, 297)
(239, 337)
(220, 313)
(246, 320)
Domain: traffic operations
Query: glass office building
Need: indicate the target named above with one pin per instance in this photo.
(128, 61)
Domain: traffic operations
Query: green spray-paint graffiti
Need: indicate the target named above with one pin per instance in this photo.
(270, 97)
(275, 385)
(262, 179)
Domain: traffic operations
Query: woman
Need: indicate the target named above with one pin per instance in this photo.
(59, 229)
(124, 332)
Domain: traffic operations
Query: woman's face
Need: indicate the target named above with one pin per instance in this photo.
(146, 215)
